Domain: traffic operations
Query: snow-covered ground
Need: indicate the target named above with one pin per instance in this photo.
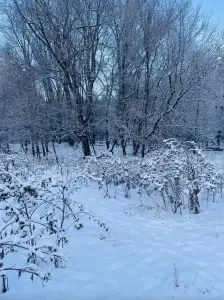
(146, 254)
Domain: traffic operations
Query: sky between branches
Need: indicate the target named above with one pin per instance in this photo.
(213, 7)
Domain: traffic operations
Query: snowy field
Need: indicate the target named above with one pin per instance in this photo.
(145, 254)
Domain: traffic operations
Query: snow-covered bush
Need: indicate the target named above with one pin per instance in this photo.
(108, 170)
(179, 172)
(185, 170)
(36, 212)
(201, 177)
(162, 174)
(27, 226)
(175, 173)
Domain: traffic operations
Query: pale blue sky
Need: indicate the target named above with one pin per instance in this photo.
(216, 7)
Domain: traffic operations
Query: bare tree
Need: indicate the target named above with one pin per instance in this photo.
(117, 70)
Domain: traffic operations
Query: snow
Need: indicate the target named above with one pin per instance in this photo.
(146, 254)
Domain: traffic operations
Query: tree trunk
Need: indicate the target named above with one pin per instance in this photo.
(86, 146)
(33, 149)
(4, 284)
(107, 136)
(38, 150)
(46, 147)
(123, 146)
(26, 146)
(136, 147)
(23, 146)
(112, 148)
(218, 138)
(55, 153)
(43, 149)
(107, 144)
(143, 151)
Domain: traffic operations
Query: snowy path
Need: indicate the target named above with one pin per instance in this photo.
(136, 260)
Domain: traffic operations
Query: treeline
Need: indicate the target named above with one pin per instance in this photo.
(122, 71)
